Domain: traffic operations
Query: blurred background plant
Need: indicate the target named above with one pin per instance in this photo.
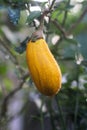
(65, 30)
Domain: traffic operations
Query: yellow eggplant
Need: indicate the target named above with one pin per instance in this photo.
(43, 68)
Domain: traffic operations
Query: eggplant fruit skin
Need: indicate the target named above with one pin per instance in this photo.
(43, 68)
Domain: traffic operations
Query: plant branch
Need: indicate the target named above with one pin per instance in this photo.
(67, 33)
(77, 22)
(65, 14)
(3, 88)
(56, 23)
(44, 14)
(51, 114)
(13, 58)
(61, 114)
(41, 114)
(5, 101)
(52, 4)
(77, 99)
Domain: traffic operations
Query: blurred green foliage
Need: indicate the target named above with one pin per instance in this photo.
(69, 47)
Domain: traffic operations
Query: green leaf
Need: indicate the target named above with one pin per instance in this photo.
(3, 69)
(71, 41)
(85, 85)
(63, 5)
(33, 15)
(14, 15)
(69, 7)
(20, 49)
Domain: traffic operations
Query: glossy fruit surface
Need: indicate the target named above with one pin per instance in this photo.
(43, 68)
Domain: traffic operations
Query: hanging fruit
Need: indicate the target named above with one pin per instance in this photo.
(43, 68)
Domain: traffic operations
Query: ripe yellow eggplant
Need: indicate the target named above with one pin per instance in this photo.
(43, 68)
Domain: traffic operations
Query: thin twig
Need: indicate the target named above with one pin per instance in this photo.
(77, 100)
(5, 101)
(63, 126)
(9, 51)
(41, 113)
(56, 23)
(77, 22)
(3, 88)
(73, 26)
(13, 58)
(65, 17)
(52, 4)
(51, 114)
(65, 14)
